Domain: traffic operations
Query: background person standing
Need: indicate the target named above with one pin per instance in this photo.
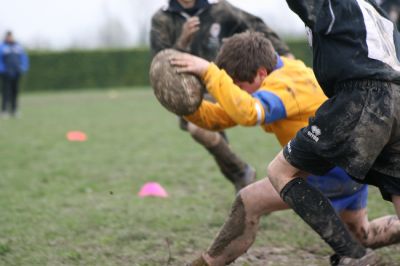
(13, 63)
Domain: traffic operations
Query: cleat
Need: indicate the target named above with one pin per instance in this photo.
(198, 262)
(369, 259)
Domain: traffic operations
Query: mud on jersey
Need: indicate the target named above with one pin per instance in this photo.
(351, 40)
(218, 20)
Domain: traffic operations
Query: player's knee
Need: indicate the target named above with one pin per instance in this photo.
(204, 137)
(183, 124)
(245, 192)
(244, 196)
(272, 173)
(280, 172)
(192, 128)
(253, 201)
(276, 167)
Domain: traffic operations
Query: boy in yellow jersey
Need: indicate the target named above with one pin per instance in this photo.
(254, 86)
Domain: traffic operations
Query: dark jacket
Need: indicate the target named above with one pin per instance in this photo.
(218, 20)
(13, 59)
(351, 40)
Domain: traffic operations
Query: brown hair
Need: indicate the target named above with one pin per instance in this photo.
(243, 54)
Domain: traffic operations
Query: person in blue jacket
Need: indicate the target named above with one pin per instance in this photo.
(13, 63)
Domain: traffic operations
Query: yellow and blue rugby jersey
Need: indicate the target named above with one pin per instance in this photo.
(288, 97)
(283, 105)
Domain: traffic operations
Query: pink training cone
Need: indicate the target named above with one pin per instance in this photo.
(152, 189)
(76, 136)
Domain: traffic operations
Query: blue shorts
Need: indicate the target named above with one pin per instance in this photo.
(353, 202)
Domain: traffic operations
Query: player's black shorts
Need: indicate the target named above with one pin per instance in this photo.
(358, 130)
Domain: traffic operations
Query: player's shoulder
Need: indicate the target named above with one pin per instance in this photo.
(3, 46)
(161, 16)
(276, 79)
(161, 12)
(221, 6)
(293, 68)
(272, 84)
(293, 74)
(292, 63)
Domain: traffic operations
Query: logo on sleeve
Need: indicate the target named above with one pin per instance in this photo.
(314, 133)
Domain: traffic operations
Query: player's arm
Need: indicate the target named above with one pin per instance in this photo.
(211, 116)
(2, 66)
(308, 10)
(237, 104)
(243, 108)
(161, 36)
(189, 29)
(24, 66)
(262, 107)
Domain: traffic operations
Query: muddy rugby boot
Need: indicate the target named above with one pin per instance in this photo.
(369, 259)
(198, 262)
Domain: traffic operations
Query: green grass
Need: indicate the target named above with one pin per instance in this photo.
(64, 203)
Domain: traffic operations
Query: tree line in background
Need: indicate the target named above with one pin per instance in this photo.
(104, 68)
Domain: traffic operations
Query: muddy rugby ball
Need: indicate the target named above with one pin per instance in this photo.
(179, 93)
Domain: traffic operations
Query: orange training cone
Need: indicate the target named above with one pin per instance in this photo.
(76, 136)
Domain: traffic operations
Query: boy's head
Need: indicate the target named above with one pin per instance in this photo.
(9, 38)
(248, 58)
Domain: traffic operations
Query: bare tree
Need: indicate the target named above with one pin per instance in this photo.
(112, 34)
(40, 43)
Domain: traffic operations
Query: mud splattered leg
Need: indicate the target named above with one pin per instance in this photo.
(239, 230)
(396, 203)
(380, 232)
(313, 207)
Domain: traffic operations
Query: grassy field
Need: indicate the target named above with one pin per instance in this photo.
(64, 203)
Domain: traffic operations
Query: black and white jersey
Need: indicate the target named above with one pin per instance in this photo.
(351, 40)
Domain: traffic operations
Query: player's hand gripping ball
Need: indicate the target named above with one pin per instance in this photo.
(180, 93)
